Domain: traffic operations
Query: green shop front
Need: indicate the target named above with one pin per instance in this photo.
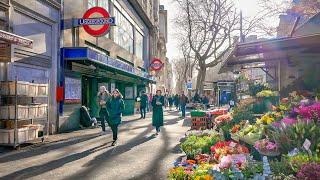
(86, 70)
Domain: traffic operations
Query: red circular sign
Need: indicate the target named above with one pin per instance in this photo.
(156, 64)
(104, 28)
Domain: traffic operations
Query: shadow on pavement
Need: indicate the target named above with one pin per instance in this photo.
(106, 157)
(46, 148)
(40, 169)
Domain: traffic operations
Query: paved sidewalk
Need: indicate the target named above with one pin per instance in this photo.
(86, 154)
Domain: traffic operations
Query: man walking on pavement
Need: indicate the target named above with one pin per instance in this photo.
(157, 116)
(102, 99)
(183, 102)
(143, 104)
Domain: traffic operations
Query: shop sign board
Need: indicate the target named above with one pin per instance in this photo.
(156, 64)
(105, 21)
(15, 39)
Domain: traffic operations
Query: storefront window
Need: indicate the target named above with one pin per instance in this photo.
(139, 45)
(92, 3)
(123, 32)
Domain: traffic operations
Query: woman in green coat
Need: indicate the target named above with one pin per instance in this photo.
(157, 106)
(115, 108)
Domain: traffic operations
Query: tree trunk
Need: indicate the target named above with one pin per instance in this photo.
(200, 79)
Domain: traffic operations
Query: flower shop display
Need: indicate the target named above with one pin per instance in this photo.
(283, 144)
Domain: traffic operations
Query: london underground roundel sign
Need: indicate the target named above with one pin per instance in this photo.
(105, 21)
(156, 64)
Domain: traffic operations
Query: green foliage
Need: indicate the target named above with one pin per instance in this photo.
(252, 168)
(254, 88)
(194, 145)
(296, 162)
(243, 113)
(281, 168)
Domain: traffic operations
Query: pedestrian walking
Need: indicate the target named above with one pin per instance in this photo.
(143, 104)
(183, 102)
(102, 99)
(176, 101)
(115, 108)
(170, 99)
(157, 116)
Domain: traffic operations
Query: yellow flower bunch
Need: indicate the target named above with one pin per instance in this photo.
(204, 177)
(265, 119)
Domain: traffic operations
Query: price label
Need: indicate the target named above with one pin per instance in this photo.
(232, 144)
(307, 144)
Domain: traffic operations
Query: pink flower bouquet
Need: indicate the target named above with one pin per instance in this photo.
(267, 148)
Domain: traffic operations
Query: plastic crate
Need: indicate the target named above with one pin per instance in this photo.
(198, 113)
(199, 123)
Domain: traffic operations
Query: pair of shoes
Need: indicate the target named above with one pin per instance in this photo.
(157, 133)
(114, 143)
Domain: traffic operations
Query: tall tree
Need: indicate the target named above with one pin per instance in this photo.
(208, 26)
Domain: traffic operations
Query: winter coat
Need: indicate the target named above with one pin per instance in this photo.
(144, 101)
(115, 107)
(157, 116)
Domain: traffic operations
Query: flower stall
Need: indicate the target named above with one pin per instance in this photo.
(283, 143)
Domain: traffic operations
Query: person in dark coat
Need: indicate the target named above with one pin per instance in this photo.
(115, 108)
(102, 99)
(183, 102)
(176, 101)
(170, 99)
(143, 104)
(157, 116)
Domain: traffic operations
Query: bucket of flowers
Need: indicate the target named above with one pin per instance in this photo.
(267, 147)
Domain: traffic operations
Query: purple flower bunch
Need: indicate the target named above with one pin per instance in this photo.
(309, 171)
(287, 121)
(311, 112)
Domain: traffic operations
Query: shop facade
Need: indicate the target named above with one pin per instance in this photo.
(29, 49)
(118, 59)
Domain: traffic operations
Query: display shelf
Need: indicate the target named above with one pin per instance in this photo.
(35, 111)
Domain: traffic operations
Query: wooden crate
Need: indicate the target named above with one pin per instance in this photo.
(9, 88)
(199, 123)
(24, 134)
(8, 112)
(9, 124)
(42, 90)
(33, 111)
(42, 110)
(33, 90)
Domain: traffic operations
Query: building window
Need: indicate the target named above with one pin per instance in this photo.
(92, 3)
(104, 4)
(139, 45)
(123, 32)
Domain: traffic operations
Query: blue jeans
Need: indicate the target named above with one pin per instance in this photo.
(183, 110)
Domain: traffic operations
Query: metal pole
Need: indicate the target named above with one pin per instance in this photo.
(16, 114)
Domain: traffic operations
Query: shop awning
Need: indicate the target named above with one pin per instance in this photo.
(273, 49)
(85, 54)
